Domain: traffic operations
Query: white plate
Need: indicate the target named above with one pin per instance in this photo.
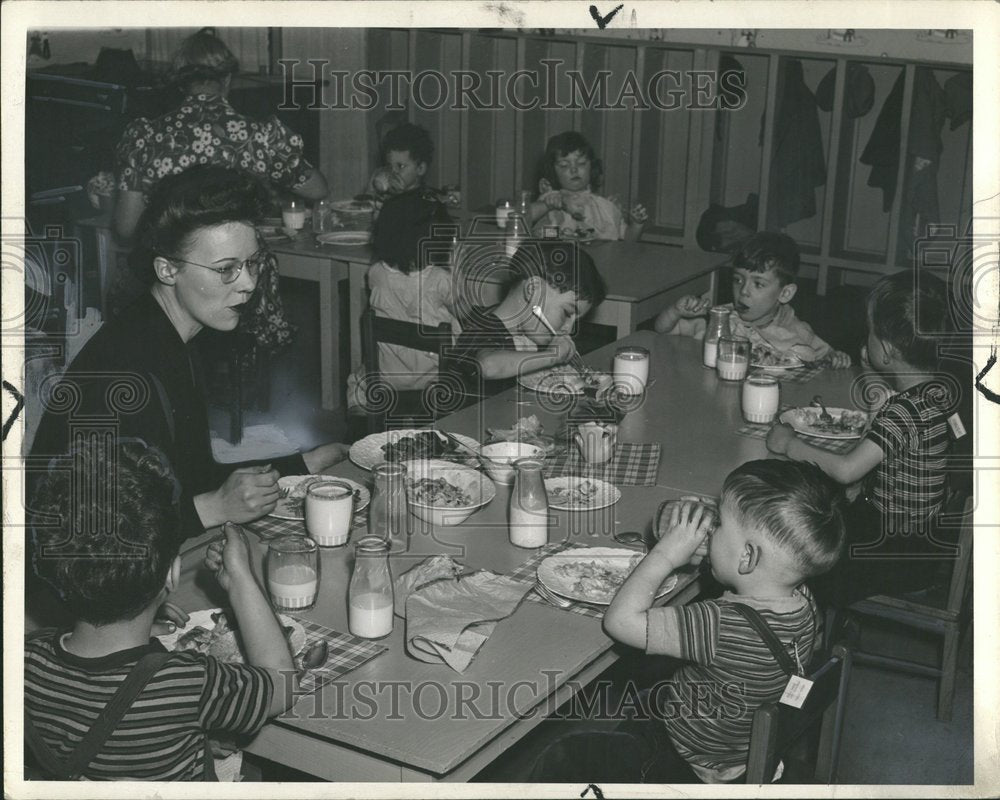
(272, 233)
(604, 494)
(619, 560)
(353, 206)
(367, 452)
(561, 380)
(791, 361)
(290, 507)
(802, 420)
(203, 619)
(345, 238)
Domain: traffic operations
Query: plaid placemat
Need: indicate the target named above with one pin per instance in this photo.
(526, 572)
(801, 375)
(756, 431)
(345, 653)
(271, 527)
(631, 465)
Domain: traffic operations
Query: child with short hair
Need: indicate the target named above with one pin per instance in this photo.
(114, 575)
(779, 523)
(406, 282)
(499, 343)
(571, 171)
(902, 458)
(764, 271)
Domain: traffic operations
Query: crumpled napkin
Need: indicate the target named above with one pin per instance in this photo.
(450, 618)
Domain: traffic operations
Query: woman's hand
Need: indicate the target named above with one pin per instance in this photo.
(229, 558)
(325, 456)
(247, 494)
(169, 618)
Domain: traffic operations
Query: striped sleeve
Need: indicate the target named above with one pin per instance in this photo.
(236, 697)
(893, 430)
(698, 626)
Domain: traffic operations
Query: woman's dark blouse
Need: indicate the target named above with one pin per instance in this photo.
(137, 378)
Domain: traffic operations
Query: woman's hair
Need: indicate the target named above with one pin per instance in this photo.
(200, 197)
(794, 503)
(565, 266)
(906, 309)
(202, 57)
(563, 144)
(408, 233)
(105, 528)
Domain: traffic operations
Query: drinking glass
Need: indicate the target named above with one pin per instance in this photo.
(761, 398)
(293, 215)
(631, 369)
(329, 508)
(734, 358)
(293, 572)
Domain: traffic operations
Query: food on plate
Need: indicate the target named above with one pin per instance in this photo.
(426, 444)
(847, 422)
(762, 356)
(438, 492)
(577, 494)
(525, 428)
(294, 502)
(580, 234)
(597, 580)
(571, 378)
(359, 205)
(223, 640)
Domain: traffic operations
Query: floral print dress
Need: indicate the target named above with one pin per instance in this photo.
(205, 129)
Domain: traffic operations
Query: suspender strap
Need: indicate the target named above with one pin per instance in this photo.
(103, 727)
(759, 624)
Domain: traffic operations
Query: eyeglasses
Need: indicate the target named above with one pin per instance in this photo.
(232, 272)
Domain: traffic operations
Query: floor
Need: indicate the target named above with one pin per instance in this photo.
(891, 736)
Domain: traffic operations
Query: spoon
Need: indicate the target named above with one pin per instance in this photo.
(315, 655)
(576, 359)
(630, 538)
(826, 416)
(483, 459)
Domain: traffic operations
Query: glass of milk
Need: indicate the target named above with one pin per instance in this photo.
(329, 508)
(631, 369)
(370, 597)
(292, 572)
(761, 398)
(293, 215)
(733, 358)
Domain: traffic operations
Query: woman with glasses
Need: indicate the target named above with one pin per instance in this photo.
(138, 376)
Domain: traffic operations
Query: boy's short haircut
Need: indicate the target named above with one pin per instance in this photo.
(767, 250)
(905, 306)
(794, 503)
(115, 559)
(564, 265)
(409, 138)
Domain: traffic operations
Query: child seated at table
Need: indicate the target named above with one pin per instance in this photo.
(408, 235)
(571, 171)
(105, 537)
(764, 271)
(499, 343)
(779, 523)
(902, 459)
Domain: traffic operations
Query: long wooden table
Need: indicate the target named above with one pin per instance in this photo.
(539, 656)
(642, 279)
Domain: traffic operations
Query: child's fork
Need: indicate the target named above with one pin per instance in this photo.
(826, 416)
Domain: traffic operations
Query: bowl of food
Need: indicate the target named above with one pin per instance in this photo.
(444, 493)
(502, 456)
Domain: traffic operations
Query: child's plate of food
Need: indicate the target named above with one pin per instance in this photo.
(564, 380)
(353, 206)
(593, 574)
(445, 493)
(345, 238)
(766, 359)
(573, 493)
(409, 444)
(844, 423)
(213, 632)
(292, 505)
(272, 231)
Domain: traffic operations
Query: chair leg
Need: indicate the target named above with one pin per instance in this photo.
(949, 666)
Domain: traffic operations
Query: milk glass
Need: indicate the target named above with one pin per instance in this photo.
(529, 505)
(329, 508)
(631, 369)
(733, 358)
(370, 594)
(761, 398)
(293, 215)
(293, 572)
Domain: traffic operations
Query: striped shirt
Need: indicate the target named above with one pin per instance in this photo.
(729, 674)
(162, 736)
(908, 486)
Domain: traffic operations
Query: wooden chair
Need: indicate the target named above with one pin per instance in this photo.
(385, 402)
(946, 616)
(777, 728)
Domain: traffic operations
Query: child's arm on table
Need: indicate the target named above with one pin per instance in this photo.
(263, 638)
(637, 219)
(845, 469)
(497, 364)
(680, 317)
(626, 620)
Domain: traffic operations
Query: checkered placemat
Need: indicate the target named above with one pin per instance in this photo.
(631, 465)
(526, 572)
(271, 527)
(801, 375)
(345, 653)
(756, 431)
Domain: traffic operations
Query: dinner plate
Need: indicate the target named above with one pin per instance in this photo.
(561, 380)
(789, 361)
(617, 561)
(804, 419)
(272, 233)
(564, 493)
(203, 618)
(367, 452)
(345, 238)
(353, 206)
(291, 506)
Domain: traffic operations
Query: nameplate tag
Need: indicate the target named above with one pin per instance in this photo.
(957, 428)
(796, 692)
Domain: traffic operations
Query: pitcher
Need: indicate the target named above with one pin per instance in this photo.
(529, 505)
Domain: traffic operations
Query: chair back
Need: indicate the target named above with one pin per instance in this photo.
(776, 727)
(959, 585)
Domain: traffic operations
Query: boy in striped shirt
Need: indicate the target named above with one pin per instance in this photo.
(113, 558)
(779, 523)
(901, 461)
